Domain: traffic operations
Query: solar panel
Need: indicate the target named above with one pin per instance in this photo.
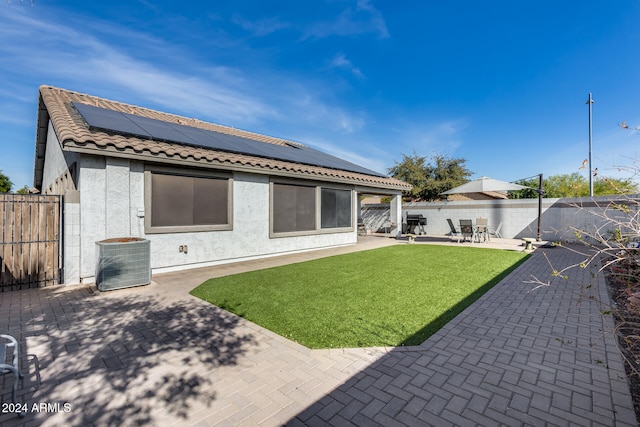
(129, 124)
(109, 120)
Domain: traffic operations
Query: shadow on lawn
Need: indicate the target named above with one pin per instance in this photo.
(489, 366)
(120, 360)
(432, 327)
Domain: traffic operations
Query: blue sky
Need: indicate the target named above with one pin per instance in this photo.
(501, 84)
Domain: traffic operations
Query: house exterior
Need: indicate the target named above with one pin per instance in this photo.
(201, 193)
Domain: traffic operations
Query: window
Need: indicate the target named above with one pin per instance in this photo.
(180, 203)
(336, 208)
(294, 208)
(309, 209)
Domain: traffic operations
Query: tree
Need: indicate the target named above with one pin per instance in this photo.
(429, 180)
(412, 170)
(5, 183)
(444, 175)
(529, 193)
(575, 185)
(609, 186)
(23, 190)
(567, 185)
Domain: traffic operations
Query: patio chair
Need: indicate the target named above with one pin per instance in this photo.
(9, 347)
(466, 229)
(495, 231)
(482, 229)
(452, 227)
(362, 228)
(386, 226)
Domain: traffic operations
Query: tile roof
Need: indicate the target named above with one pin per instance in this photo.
(74, 134)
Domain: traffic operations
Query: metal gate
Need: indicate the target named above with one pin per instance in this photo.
(30, 254)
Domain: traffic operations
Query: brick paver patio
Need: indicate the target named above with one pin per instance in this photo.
(156, 356)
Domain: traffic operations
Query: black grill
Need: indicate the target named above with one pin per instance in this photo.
(416, 222)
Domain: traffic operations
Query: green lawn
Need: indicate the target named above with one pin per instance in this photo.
(396, 295)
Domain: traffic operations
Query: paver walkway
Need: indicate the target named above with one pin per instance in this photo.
(156, 356)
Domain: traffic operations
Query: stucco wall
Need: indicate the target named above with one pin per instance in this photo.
(71, 242)
(106, 200)
(56, 162)
(112, 204)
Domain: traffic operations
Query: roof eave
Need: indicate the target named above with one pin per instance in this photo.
(42, 124)
(366, 181)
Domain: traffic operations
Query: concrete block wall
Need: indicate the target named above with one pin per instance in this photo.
(519, 218)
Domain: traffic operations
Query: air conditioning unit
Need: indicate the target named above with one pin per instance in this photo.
(123, 263)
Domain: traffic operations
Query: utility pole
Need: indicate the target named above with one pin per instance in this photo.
(590, 102)
(540, 194)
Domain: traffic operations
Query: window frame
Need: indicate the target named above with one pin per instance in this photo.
(337, 200)
(150, 229)
(318, 186)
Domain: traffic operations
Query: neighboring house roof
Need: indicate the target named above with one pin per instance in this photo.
(486, 195)
(74, 134)
(371, 200)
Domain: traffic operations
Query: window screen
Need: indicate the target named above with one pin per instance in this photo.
(335, 208)
(188, 201)
(294, 208)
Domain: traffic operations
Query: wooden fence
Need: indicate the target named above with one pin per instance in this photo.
(29, 241)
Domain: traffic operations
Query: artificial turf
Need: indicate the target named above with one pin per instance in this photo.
(391, 296)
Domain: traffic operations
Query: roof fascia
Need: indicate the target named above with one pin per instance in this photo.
(42, 126)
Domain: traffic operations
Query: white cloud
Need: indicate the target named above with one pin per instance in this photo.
(89, 60)
(145, 71)
(377, 20)
(341, 61)
(214, 99)
(426, 138)
(361, 19)
(261, 27)
(84, 62)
